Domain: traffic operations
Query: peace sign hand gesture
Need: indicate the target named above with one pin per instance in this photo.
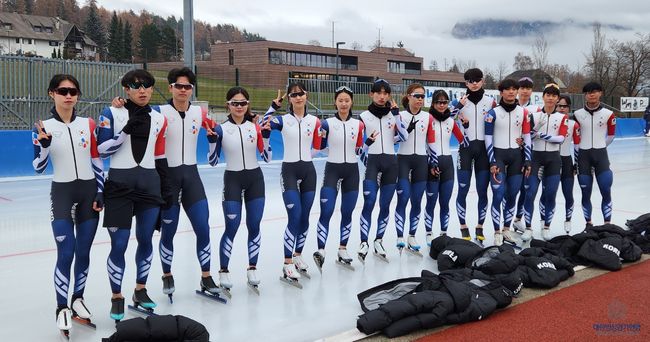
(277, 102)
(43, 137)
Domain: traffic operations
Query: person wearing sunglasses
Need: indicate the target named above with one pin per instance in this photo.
(597, 130)
(568, 149)
(504, 124)
(440, 182)
(138, 184)
(240, 138)
(341, 139)
(471, 110)
(300, 133)
(523, 97)
(413, 162)
(383, 128)
(549, 129)
(68, 142)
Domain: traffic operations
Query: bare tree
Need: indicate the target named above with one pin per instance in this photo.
(433, 65)
(540, 51)
(522, 62)
(635, 56)
(314, 42)
(598, 60)
(502, 70)
(356, 46)
(464, 64)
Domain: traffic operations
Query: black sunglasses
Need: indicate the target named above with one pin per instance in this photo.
(563, 106)
(181, 86)
(238, 103)
(418, 96)
(474, 81)
(441, 102)
(138, 85)
(300, 93)
(65, 91)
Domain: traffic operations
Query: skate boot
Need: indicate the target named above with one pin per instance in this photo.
(443, 233)
(344, 259)
(519, 226)
(480, 237)
(290, 275)
(224, 282)
(80, 312)
(319, 259)
(413, 246)
(301, 266)
(380, 252)
(210, 289)
(527, 235)
(363, 251)
(400, 245)
(498, 238)
(429, 238)
(142, 302)
(168, 286)
(567, 227)
(508, 238)
(64, 320)
(546, 233)
(464, 233)
(117, 309)
(253, 281)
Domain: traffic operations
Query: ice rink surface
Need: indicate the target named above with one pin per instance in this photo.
(327, 304)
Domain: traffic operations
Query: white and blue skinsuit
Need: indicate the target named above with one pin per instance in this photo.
(78, 182)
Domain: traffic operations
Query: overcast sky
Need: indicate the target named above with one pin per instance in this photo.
(423, 26)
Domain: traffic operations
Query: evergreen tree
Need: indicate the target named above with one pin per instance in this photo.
(149, 42)
(115, 39)
(127, 48)
(93, 27)
(29, 6)
(54, 53)
(58, 55)
(168, 44)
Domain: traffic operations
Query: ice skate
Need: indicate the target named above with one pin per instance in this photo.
(413, 247)
(290, 275)
(519, 226)
(464, 233)
(429, 238)
(380, 252)
(301, 266)
(400, 245)
(567, 227)
(319, 259)
(498, 238)
(253, 282)
(480, 237)
(224, 283)
(210, 289)
(546, 234)
(363, 251)
(168, 286)
(508, 238)
(142, 303)
(64, 321)
(81, 314)
(344, 259)
(527, 235)
(117, 309)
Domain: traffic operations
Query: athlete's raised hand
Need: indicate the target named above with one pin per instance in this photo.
(43, 137)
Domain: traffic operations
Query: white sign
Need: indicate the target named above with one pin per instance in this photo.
(633, 104)
(457, 93)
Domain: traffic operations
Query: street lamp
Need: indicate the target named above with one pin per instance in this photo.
(337, 58)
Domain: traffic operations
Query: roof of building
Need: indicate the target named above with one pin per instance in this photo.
(22, 26)
(393, 51)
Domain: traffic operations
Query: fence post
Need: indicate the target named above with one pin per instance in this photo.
(237, 77)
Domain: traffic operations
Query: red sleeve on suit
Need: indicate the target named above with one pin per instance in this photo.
(260, 142)
(525, 126)
(316, 142)
(360, 134)
(611, 125)
(457, 132)
(160, 141)
(431, 133)
(564, 126)
(576, 133)
(93, 140)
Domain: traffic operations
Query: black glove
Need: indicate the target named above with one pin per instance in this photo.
(575, 168)
(136, 124)
(45, 142)
(99, 199)
(276, 107)
(212, 138)
(369, 142)
(466, 124)
(411, 126)
(526, 164)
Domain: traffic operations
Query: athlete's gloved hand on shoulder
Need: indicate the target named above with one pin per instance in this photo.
(411, 126)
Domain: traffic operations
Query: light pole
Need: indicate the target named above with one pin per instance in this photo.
(337, 58)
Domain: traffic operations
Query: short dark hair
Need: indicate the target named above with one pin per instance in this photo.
(566, 99)
(58, 78)
(592, 86)
(508, 83)
(137, 74)
(175, 73)
(552, 89)
(379, 85)
(473, 74)
(526, 82)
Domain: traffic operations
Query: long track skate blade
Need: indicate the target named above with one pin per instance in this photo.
(345, 265)
(212, 296)
(512, 244)
(415, 252)
(291, 282)
(65, 335)
(382, 257)
(304, 274)
(84, 322)
(254, 288)
(362, 260)
(479, 243)
(148, 312)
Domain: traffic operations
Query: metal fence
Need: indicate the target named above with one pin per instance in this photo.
(24, 82)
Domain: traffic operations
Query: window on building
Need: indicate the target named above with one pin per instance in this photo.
(48, 29)
(17, 40)
(53, 43)
(312, 59)
(27, 41)
(38, 28)
(7, 26)
(404, 67)
(231, 57)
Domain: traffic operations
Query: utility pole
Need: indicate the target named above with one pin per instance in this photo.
(188, 37)
(333, 21)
